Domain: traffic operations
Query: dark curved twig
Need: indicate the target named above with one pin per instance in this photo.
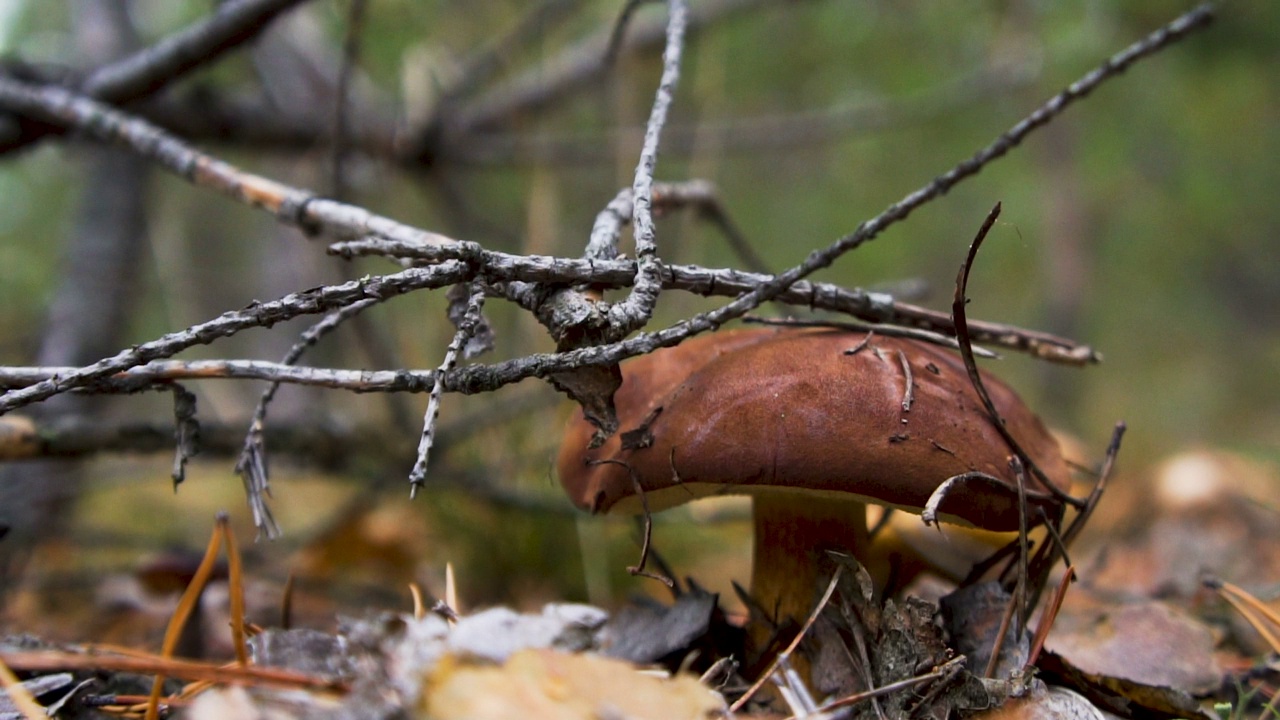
(971, 366)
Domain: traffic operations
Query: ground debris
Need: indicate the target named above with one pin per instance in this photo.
(493, 664)
(651, 632)
(861, 644)
(972, 616)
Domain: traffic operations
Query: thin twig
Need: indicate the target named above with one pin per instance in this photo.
(795, 642)
(1047, 618)
(600, 267)
(1095, 495)
(975, 377)
(619, 32)
(1044, 565)
(574, 67)
(704, 196)
(252, 463)
(647, 534)
(1018, 598)
(1024, 552)
(148, 70)
(937, 673)
(632, 313)
(50, 661)
(884, 329)
(263, 314)
(746, 136)
(480, 66)
(104, 123)
(471, 319)
(1002, 631)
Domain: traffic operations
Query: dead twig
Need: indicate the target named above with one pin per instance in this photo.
(262, 314)
(944, 670)
(1050, 614)
(1047, 557)
(633, 312)
(966, 353)
(574, 67)
(795, 642)
(638, 569)
(471, 319)
(187, 605)
(871, 328)
(252, 465)
(148, 70)
(50, 661)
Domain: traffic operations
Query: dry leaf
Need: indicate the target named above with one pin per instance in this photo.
(550, 685)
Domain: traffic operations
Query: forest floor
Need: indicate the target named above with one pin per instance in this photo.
(1173, 612)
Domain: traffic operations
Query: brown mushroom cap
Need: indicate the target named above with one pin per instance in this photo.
(787, 410)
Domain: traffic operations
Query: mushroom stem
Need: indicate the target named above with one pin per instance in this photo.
(793, 531)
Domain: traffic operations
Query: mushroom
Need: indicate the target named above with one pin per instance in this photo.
(812, 424)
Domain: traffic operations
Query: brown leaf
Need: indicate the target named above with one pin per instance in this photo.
(972, 617)
(1151, 643)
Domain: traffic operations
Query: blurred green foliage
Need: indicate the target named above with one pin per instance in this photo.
(1160, 189)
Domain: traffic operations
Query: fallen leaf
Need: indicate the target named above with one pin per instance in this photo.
(550, 685)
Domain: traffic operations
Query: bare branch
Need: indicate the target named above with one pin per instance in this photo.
(248, 121)
(575, 66)
(213, 116)
(467, 325)
(635, 311)
(307, 302)
(297, 206)
(872, 328)
(290, 205)
(142, 377)
(150, 69)
(872, 307)
(252, 462)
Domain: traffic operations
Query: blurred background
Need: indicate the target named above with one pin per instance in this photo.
(1143, 222)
